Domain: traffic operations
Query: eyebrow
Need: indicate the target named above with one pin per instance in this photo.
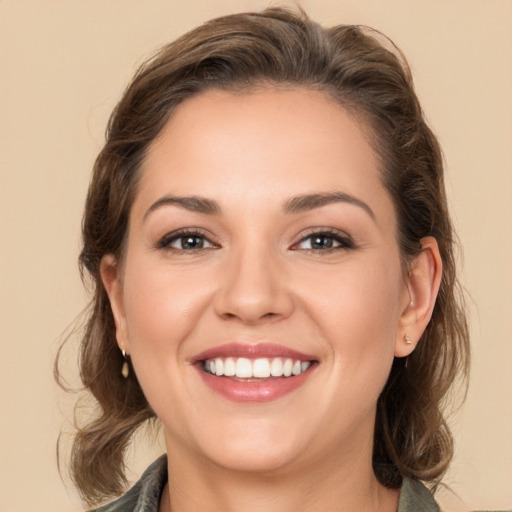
(296, 204)
(311, 201)
(191, 203)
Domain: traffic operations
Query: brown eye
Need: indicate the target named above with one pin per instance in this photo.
(324, 241)
(186, 241)
(190, 242)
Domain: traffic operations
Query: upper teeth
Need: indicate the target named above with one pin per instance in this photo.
(242, 367)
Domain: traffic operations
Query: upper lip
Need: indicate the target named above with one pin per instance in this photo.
(252, 351)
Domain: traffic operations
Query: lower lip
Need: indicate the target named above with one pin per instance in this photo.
(254, 391)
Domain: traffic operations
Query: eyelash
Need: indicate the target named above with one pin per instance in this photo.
(166, 241)
(344, 242)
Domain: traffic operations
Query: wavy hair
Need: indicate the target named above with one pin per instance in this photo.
(368, 75)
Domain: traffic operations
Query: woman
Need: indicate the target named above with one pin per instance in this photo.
(272, 260)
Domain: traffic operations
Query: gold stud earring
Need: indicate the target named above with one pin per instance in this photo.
(408, 340)
(125, 369)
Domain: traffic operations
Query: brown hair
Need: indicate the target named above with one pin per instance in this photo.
(365, 73)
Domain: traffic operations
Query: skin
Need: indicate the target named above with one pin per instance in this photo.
(259, 278)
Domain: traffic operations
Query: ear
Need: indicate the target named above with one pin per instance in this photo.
(423, 283)
(111, 276)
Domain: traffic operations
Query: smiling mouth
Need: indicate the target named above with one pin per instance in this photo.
(253, 370)
(254, 373)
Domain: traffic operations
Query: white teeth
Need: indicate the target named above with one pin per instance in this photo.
(243, 368)
(219, 366)
(276, 367)
(261, 368)
(304, 366)
(229, 367)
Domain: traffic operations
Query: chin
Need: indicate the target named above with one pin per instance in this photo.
(258, 449)
(255, 459)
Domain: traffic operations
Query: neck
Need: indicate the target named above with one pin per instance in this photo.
(344, 483)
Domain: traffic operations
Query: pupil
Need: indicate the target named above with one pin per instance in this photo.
(322, 242)
(192, 242)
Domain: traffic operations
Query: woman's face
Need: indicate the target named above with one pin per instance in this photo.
(261, 242)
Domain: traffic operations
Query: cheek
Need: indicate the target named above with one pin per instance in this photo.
(362, 297)
(356, 310)
(162, 308)
(161, 305)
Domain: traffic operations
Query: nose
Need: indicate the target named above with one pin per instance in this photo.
(254, 289)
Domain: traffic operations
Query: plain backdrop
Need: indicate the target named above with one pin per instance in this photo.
(63, 65)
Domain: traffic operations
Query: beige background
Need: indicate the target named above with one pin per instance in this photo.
(64, 63)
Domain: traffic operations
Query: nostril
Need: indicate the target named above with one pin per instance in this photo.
(265, 316)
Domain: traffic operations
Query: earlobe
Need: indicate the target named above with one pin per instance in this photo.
(110, 276)
(423, 282)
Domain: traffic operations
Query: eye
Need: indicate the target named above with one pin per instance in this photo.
(324, 241)
(186, 241)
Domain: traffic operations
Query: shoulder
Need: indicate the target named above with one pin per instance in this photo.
(144, 496)
(415, 497)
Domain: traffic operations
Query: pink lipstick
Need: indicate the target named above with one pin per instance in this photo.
(254, 373)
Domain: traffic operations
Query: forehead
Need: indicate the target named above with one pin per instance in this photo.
(287, 123)
(263, 143)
